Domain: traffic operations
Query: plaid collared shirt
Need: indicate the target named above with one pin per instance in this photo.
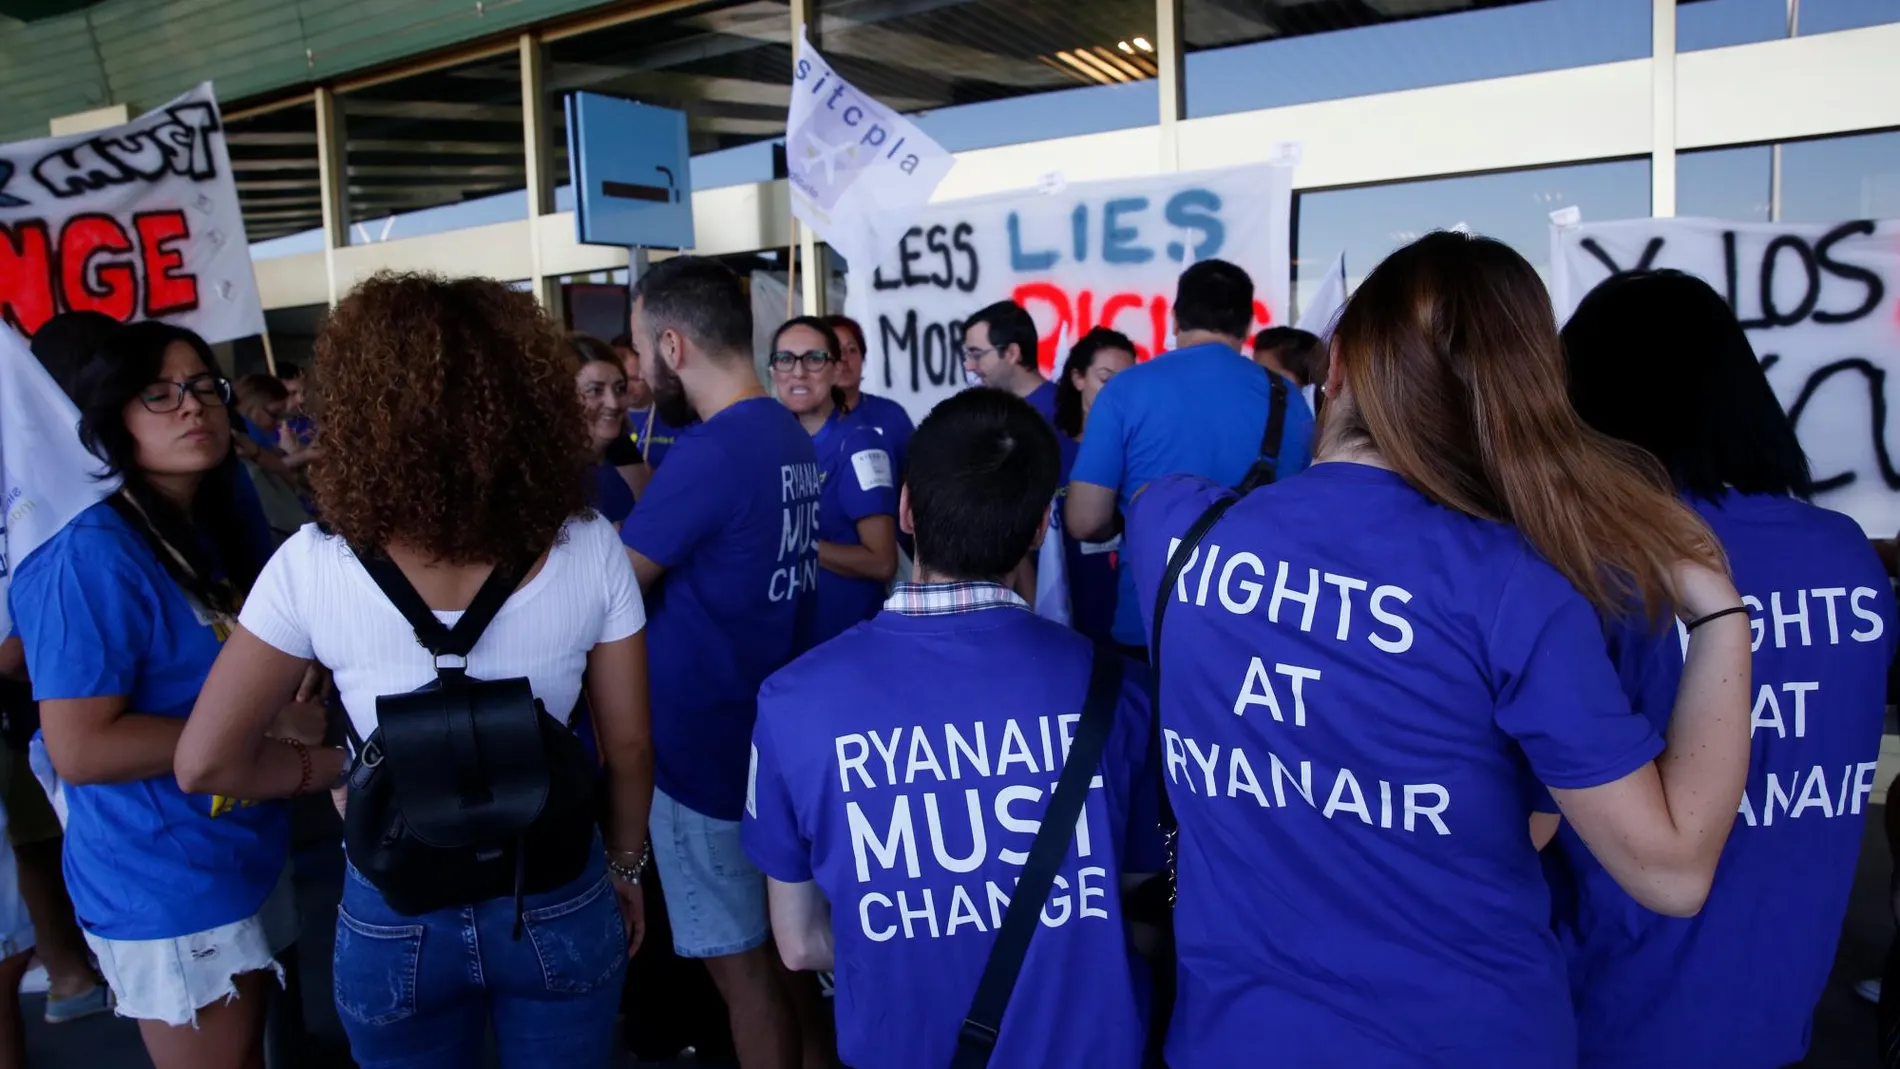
(949, 599)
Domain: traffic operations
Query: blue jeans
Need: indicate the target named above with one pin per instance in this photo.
(421, 992)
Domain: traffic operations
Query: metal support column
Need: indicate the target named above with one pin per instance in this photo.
(812, 257)
(1171, 61)
(1662, 101)
(538, 152)
(333, 184)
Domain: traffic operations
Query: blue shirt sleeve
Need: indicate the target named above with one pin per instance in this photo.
(92, 620)
(1296, 439)
(867, 479)
(769, 830)
(685, 503)
(1558, 693)
(1102, 460)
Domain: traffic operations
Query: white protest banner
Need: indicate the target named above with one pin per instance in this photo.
(46, 476)
(140, 221)
(1076, 256)
(1321, 315)
(857, 171)
(1819, 304)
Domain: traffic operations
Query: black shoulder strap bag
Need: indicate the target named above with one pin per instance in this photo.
(977, 1039)
(467, 790)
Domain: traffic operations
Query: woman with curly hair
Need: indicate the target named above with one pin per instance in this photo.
(185, 900)
(455, 449)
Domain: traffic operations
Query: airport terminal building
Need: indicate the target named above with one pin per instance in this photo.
(429, 134)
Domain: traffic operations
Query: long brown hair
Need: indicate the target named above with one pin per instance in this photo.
(1454, 373)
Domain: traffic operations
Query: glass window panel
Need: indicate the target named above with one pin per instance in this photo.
(1248, 56)
(1368, 222)
(1839, 178)
(1704, 24)
(1828, 16)
(1725, 183)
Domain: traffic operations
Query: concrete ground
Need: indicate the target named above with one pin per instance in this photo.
(1844, 1026)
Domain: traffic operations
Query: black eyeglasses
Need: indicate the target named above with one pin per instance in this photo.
(814, 361)
(164, 396)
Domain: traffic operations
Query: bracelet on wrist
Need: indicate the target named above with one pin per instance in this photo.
(1717, 615)
(629, 872)
(309, 770)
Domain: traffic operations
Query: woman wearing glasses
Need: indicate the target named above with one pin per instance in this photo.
(184, 899)
(857, 508)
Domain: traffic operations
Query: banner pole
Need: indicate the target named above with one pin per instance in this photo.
(791, 266)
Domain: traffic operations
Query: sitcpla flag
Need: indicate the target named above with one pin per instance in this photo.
(46, 475)
(857, 170)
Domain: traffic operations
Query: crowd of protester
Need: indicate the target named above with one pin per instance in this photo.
(1520, 710)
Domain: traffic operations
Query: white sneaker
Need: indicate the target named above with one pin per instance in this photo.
(36, 982)
(1869, 990)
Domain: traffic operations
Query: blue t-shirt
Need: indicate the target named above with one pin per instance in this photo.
(610, 495)
(913, 808)
(262, 438)
(1196, 411)
(143, 860)
(1043, 400)
(1091, 565)
(859, 481)
(653, 435)
(734, 521)
(1736, 985)
(892, 421)
(1353, 698)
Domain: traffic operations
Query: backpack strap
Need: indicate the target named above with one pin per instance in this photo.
(431, 633)
(1267, 465)
(977, 1039)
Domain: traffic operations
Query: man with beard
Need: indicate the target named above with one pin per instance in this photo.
(725, 546)
(653, 435)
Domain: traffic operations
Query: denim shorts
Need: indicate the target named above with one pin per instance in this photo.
(715, 895)
(422, 992)
(170, 980)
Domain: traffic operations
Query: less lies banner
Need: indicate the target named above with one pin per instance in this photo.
(1821, 305)
(1077, 257)
(138, 221)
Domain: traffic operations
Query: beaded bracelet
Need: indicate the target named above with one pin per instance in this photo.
(303, 759)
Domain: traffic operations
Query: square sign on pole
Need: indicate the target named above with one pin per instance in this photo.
(631, 172)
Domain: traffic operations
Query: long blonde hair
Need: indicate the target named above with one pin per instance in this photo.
(1455, 375)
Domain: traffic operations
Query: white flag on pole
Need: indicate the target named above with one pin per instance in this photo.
(858, 171)
(1322, 314)
(46, 476)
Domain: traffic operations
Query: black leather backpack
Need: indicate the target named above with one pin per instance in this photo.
(467, 790)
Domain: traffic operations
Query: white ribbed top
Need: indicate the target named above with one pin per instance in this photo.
(315, 601)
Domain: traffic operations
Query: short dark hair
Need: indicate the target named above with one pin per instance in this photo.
(65, 342)
(841, 323)
(700, 298)
(1657, 359)
(1081, 358)
(1292, 347)
(622, 340)
(259, 389)
(289, 372)
(981, 472)
(1214, 295)
(1009, 325)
